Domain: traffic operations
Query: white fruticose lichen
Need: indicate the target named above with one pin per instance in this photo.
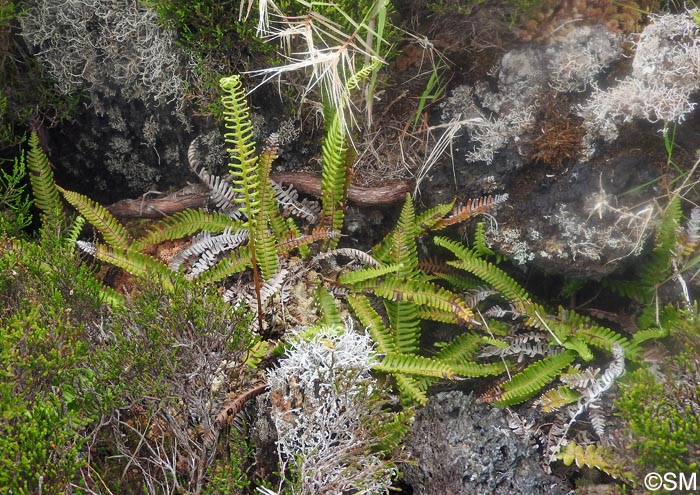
(324, 400)
(496, 118)
(665, 73)
(575, 62)
(509, 241)
(625, 237)
(90, 43)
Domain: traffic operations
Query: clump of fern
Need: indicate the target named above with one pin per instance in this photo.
(394, 293)
(537, 346)
(253, 229)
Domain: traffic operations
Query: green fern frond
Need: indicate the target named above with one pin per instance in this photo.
(629, 288)
(371, 320)
(325, 302)
(266, 255)
(425, 294)
(410, 390)
(405, 325)
(426, 220)
(593, 457)
(461, 348)
(433, 314)
(269, 210)
(486, 271)
(473, 370)
(102, 220)
(74, 232)
(580, 346)
(528, 382)
(605, 338)
(112, 298)
(460, 280)
(556, 398)
(479, 243)
(364, 274)
(241, 148)
(359, 75)
(267, 156)
(650, 333)
(657, 268)
(390, 434)
(44, 188)
(236, 262)
(595, 335)
(132, 262)
(183, 224)
(403, 246)
(334, 175)
(667, 317)
(410, 364)
(270, 214)
(423, 223)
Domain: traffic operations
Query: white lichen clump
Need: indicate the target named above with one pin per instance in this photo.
(324, 403)
(497, 118)
(665, 74)
(91, 43)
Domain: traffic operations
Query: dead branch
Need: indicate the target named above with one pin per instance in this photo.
(195, 196)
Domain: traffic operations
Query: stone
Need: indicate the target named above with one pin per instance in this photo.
(457, 446)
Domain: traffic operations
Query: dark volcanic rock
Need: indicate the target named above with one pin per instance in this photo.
(569, 127)
(461, 447)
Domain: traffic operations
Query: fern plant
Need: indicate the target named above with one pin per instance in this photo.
(57, 229)
(408, 295)
(252, 229)
(560, 337)
(412, 291)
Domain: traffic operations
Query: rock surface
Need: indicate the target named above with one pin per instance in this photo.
(463, 447)
(582, 173)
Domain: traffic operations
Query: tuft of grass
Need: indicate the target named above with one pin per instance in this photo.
(332, 45)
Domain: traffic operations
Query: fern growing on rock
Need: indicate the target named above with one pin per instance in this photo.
(251, 231)
(412, 291)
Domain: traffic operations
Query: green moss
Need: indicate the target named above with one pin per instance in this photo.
(663, 419)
